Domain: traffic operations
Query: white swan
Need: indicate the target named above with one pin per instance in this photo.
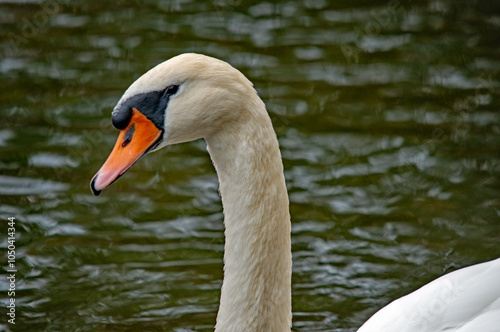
(193, 96)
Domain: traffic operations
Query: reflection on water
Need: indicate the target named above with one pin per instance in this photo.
(387, 116)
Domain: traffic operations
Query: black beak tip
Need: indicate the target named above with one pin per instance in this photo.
(94, 190)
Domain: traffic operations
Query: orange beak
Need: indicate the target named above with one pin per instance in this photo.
(140, 136)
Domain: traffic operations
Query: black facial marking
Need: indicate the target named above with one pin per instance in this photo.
(128, 135)
(121, 119)
(152, 104)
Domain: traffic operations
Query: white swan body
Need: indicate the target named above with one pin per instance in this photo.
(193, 96)
(466, 300)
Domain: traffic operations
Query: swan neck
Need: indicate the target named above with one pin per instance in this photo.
(256, 290)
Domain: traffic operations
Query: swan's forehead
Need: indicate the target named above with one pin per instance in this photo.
(156, 79)
(181, 69)
(176, 71)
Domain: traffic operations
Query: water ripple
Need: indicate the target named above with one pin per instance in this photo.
(12, 185)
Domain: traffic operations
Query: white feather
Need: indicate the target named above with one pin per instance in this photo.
(466, 300)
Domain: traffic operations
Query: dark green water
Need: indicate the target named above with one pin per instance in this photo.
(387, 114)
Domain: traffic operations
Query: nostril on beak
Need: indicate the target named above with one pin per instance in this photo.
(128, 135)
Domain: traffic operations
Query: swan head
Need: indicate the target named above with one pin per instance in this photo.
(188, 97)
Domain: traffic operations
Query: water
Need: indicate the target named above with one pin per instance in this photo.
(387, 114)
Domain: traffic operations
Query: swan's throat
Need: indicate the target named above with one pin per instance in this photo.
(256, 291)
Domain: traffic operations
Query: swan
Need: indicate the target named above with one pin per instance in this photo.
(193, 96)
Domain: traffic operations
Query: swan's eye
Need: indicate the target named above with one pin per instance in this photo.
(171, 89)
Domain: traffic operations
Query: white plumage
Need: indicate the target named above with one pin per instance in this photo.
(466, 300)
